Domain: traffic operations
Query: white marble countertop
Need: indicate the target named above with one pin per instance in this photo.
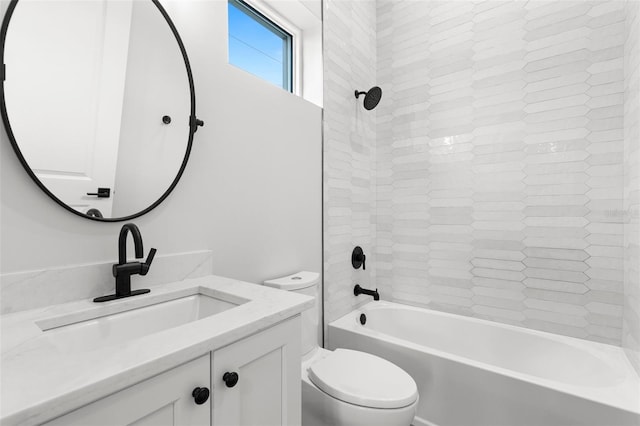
(41, 381)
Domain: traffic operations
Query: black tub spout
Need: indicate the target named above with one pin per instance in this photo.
(357, 290)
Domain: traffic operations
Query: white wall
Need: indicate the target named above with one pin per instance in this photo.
(251, 192)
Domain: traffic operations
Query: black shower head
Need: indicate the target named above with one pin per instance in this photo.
(371, 98)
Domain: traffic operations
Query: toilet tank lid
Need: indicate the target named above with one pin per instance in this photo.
(297, 281)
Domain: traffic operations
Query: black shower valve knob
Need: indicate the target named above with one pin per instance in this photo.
(358, 258)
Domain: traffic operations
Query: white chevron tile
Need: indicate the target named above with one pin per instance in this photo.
(489, 180)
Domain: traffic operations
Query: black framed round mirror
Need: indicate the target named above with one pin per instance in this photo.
(98, 102)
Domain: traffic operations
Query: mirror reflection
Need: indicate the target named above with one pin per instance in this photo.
(98, 99)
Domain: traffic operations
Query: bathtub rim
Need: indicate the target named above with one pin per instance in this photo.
(624, 395)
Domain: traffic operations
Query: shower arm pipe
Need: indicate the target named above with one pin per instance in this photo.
(359, 93)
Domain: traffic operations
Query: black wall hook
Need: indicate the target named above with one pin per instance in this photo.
(358, 258)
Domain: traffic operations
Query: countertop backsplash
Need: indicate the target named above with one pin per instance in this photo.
(33, 289)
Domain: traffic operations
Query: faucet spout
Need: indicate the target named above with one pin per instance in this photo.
(122, 242)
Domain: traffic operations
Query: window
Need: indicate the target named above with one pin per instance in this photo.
(259, 46)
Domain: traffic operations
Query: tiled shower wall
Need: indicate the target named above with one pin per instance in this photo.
(631, 323)
(349, 149)
(500, 161)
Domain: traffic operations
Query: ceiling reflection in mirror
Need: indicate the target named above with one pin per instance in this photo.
(98, 99)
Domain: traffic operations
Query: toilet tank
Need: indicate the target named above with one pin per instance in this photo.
(307, 283)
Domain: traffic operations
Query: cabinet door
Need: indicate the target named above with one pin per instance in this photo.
(163, 400)
(268, 388)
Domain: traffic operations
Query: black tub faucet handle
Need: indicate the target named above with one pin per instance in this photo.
(358, 258)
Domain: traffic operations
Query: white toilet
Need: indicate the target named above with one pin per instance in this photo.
(346, 387)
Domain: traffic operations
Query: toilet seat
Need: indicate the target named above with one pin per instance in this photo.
(363, 379)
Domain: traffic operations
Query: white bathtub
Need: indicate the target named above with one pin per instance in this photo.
(472, 372)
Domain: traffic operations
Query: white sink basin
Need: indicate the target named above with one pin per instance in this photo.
(136, 322)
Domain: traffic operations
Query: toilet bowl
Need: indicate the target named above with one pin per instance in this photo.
(346, 387)
(357, 389)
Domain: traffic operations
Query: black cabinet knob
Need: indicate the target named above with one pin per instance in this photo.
(230, 379)
(200, 395)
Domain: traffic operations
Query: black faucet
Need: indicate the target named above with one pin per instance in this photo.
(123, 269)
(357, 290)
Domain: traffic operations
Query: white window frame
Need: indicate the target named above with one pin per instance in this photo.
(263, 8)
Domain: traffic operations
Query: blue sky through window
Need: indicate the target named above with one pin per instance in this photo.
(256, 48)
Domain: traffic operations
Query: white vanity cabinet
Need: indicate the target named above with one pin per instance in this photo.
(267, 390)
(163, 400)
